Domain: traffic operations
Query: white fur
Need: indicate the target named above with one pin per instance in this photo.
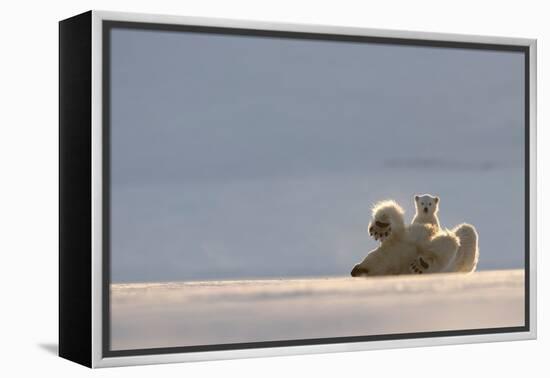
(416, 248)
(427, 207)
(468, 253)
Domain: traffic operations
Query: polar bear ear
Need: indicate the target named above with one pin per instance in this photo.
(436, 199)
(416, 198)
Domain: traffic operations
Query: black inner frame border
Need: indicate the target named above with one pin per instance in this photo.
(108, 26)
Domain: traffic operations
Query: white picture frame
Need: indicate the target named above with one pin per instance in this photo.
(87, 32)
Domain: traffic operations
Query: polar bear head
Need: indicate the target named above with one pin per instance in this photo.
(426, 204)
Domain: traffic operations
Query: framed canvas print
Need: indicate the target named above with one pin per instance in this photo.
(237, 188)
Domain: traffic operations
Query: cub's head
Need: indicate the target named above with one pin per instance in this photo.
(426, 204)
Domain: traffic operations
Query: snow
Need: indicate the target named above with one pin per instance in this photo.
(150, 315)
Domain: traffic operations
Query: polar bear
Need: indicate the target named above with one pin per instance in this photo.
(427, 207)
(416, 248)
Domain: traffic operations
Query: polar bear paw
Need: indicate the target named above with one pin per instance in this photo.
(387, 220)
(379, 230)
(420, 265)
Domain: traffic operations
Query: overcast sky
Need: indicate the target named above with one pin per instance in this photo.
(247, 157)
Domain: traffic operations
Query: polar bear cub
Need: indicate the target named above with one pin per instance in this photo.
(427, 207)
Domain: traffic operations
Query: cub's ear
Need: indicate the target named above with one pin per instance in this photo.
(416, 198)
(436, 199)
